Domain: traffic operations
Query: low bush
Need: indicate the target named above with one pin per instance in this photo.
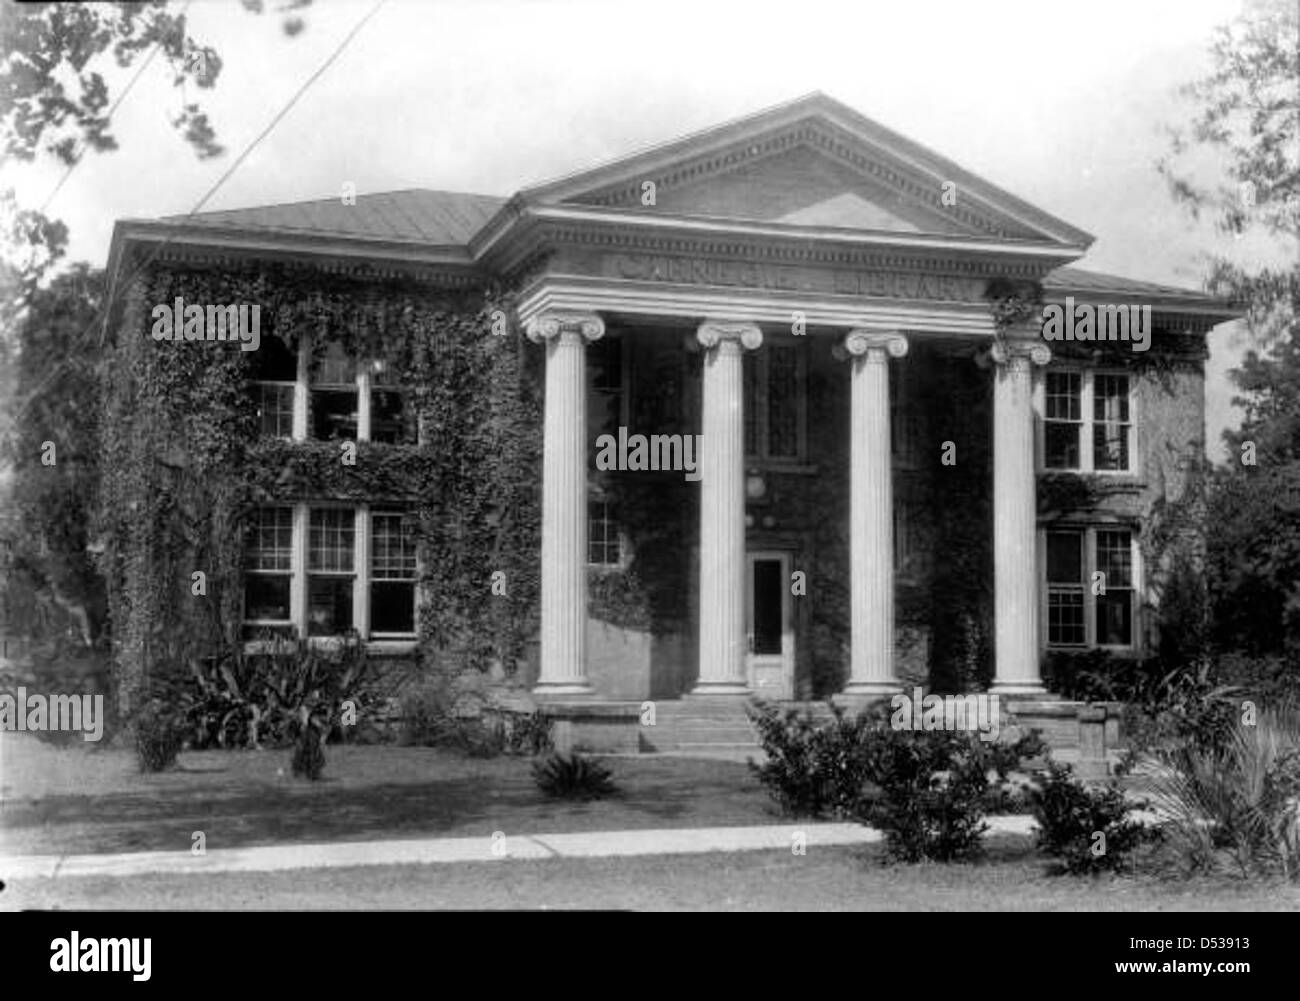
(158, 736)
(1087, 830)
(935, 788)
(815, 767)
(572, 776)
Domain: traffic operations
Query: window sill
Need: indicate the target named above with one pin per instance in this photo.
(390, 645)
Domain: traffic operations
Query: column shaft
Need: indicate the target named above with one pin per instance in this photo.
(564, 503)
(722, 645)
(1015, 520)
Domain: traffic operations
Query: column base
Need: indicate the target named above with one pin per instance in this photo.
(562, 689)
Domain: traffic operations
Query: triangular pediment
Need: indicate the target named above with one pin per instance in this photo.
(811, 163)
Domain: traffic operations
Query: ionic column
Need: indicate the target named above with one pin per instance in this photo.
(722, 508)
(564, 501)
(1015, 518)
(871, 512)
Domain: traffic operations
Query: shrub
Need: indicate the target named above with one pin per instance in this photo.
(572, 777)
(1236, 805)
(814, 767)
(529, 733)
(1071, 814)
(158, 737)
(935, 787)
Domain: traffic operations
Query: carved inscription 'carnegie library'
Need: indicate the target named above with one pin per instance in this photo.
(747, 274)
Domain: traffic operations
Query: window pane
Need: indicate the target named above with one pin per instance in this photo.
(1110, 398)
(1064, 394)
(334, 414)
(387, 417)
(274, 409)
(602, 535)
(1061, 445)
(269, 544)
(392, 607)
(1064, 558)
(783, 402)
(330, 608)
(333, 367)
(1115, 558)
(1110, 446)
(1115, 617)
(392, 547)
(330, 541)
(605, 363)
(266, 596)
(274, 362)
(1065, 618)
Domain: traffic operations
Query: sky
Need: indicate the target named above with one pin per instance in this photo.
(1064, 104)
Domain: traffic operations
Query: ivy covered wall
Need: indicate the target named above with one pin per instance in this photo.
(184, 465)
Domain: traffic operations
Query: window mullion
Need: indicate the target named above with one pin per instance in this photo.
(298, 583)
(361, 568)
(1087, 413)
(363, 403)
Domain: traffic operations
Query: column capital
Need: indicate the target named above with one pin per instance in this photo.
(875, 344)
(1004, 352)
(588, 326)
(714, 332)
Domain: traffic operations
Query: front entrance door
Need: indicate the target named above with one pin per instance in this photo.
(770, 625)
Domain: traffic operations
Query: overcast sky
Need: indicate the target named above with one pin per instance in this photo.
(1062, 103)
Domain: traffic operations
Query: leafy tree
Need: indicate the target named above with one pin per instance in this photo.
(1249, 122)
(55, 101)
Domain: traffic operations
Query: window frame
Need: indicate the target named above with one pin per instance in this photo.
(361, 575)
(1087, 410)
(1089, 533)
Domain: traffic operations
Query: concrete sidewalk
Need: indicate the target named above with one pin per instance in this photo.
(499, 847)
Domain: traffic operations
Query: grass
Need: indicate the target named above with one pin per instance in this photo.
(85, 799)
(1011, 878)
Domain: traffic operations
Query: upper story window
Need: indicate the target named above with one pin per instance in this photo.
(775, 402)
(606, 387)
(274, 384)
(1088, 422)
(327, 396)
(1091, 587)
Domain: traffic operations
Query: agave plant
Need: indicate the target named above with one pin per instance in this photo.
(572, 777)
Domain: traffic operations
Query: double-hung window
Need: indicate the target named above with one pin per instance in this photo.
(1091, 587)
(1088, 424)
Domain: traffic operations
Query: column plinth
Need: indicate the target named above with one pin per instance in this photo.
(1015, 518)
(871, 513)
(722, 644)
(564, 502)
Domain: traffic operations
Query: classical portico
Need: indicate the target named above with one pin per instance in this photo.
(807, 225)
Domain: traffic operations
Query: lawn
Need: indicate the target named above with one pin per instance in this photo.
(87, 799)
(1012, 877)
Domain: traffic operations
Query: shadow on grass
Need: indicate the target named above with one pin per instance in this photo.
(329, 810)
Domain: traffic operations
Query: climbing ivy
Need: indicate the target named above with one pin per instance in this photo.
(183, 464)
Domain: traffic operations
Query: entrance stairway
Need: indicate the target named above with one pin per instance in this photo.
(711, 726)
